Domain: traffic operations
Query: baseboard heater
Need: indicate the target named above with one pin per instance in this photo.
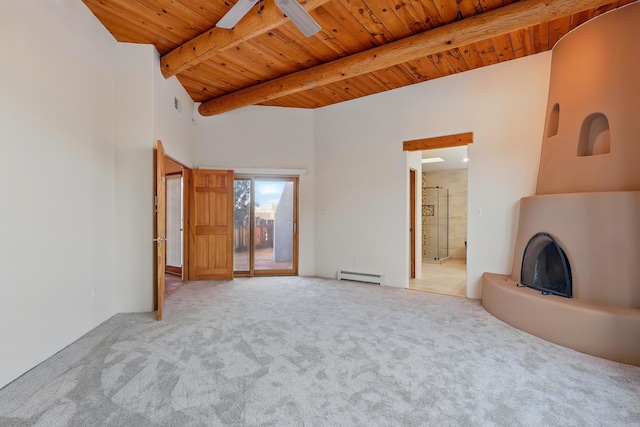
(376, 279)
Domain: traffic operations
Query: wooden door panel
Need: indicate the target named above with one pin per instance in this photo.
(211, 228)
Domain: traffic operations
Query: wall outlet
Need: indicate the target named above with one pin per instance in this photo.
(479, 212)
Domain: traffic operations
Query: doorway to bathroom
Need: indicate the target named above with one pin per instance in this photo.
(443, 185)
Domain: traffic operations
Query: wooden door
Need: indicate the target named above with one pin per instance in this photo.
(160, 226)
(412, 223)
(211, 225)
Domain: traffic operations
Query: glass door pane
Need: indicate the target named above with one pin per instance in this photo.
(242, 225)
(274, 224)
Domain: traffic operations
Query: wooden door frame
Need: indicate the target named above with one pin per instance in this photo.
(294, 256)
(412, 222)
(184, 273)
(422, 144)
(186, 177)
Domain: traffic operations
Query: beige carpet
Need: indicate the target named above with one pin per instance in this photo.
(312, 352)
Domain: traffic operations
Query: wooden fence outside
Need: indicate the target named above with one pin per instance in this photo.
(263, 232)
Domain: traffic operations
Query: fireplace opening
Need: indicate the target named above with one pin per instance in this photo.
(545, 266)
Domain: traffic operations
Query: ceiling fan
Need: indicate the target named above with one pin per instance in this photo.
(291, 8)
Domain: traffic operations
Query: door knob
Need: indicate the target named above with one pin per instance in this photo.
(160, 239)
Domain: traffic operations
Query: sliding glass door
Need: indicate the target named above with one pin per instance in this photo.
(265, 225)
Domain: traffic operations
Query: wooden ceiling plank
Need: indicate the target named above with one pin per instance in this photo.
(423, 69)
(438, 142)
(209, 43)
(604, 8)
(312, 45)
(272, 51)
(544, 36)
(292, 51)
(142, 17)
(226, 63)
(471, 56)
(503, 47)
(322, 95)
(455, 58)
(259, 61)
(372, 83)
(447, 9)
(487, 52)
(396, 76)
(388, 18)
(471, 30)
(199, 91)
(368, 20)
(351, 25)
(334, 33)
(528, 41)
(223, 75)
(469, 8)
(317, 99)
(211, 11)
(176, 12)
(517, 41)
(313, 49)
(428, 13)
(441, 64)
(128, 33)
(487, 5)
(292, 101)
(407, 14)
(348, 89)
(411, 74)
(580, 18)
(557, 29)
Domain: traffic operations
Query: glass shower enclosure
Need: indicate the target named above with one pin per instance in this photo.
(435, 224)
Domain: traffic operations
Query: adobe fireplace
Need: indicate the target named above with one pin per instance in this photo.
(545, 267)
(587, 199)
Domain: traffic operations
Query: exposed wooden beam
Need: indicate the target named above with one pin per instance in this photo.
(504, 20)
(218, 40)
(438, 142)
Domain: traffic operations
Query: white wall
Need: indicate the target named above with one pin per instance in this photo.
(135, 177)
(171, 126)
(361, 185)
(58, 179)
(264, 137)
(79, 117)
(145, 114)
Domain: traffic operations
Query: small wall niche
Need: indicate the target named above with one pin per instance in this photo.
(553, 121)
(594, 136)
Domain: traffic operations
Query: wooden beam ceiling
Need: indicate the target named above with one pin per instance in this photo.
(504, 20)
(218, 40)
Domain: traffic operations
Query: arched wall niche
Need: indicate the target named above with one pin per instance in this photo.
(595, 138)
(553, 121)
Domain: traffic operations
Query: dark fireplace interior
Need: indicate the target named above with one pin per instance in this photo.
(545, 266)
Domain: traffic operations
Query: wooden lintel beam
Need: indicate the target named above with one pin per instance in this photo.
(438, 142)
(513, 17)
(218, 40)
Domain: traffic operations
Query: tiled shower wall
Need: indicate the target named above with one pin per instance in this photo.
(456, 182)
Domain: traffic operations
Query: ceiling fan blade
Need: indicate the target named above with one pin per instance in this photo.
(299, 16)
(235, 14)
